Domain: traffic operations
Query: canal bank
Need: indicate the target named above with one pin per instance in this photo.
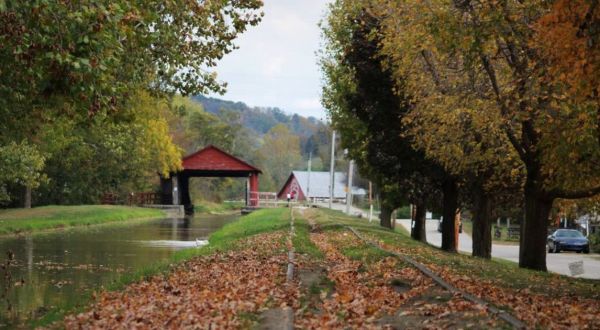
(54, 272)
(60, 217)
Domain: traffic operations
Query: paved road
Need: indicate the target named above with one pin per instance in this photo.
(558, 263)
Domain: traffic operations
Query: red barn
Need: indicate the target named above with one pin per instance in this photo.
(315, 186)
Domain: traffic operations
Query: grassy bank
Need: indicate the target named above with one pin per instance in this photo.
(207, 207)
(501, 272)
(14, 221)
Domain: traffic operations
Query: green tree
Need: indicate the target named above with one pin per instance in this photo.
(20, 164)
(279, 155)
(366, 107)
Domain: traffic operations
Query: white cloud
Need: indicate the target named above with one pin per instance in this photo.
(276, 64)
(313, 103)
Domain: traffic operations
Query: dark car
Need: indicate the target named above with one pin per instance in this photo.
(568, 240)
(440, 225)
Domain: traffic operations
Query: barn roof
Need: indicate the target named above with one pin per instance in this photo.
(212, 158)
(319, 184)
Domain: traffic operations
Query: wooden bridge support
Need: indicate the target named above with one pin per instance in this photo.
(184, 191)
(253, 193)
(166, 191)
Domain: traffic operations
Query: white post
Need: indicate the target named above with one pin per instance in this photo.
(507, 223)
(587, 226)
(308, 178)
(331, 169)
(349, 192)
(175, 190)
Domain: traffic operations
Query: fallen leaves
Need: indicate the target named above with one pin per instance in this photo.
(537, 310)
(365, 295)
(218, 291)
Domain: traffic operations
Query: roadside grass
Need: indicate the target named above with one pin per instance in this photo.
(502, 273)
(225, 239)
(217, 208)
(14, 221)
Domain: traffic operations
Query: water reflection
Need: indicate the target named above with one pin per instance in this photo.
(50, 270)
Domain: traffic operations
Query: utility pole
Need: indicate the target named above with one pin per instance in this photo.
(308, 178)
(331, 169)
(349, 189)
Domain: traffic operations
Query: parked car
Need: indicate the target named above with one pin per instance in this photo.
(440, 225)
(568, 240)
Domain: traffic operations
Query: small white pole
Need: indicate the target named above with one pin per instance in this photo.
(331, 170)
(349, 192)
(587, 226)
(308, 179)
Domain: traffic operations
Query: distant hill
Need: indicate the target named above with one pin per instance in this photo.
(262, 119)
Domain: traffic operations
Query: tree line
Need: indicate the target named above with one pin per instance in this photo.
(94, 99)
(472, 105)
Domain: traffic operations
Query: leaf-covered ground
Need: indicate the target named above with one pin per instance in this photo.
(224, 290)
(339, 283)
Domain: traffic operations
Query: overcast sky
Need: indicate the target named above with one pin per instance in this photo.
(276, 64)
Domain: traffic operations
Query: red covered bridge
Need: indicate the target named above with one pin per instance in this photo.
(208, 162)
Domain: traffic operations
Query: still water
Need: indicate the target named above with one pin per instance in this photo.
(55, 269)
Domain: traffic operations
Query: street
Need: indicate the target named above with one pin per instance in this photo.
(558, 263)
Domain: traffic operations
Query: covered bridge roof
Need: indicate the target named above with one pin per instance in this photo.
(212, 158)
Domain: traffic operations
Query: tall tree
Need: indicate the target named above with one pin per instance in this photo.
(366, 106)
(553, 134)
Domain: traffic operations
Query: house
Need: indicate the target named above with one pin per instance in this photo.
(316, 186)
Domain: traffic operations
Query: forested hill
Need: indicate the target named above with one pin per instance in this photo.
(262, 119)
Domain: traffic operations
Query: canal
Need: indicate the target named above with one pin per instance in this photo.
(58, 269)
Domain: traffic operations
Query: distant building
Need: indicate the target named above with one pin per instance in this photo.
(298, 184)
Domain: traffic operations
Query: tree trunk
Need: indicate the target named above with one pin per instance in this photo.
(450, 200)
(534, 230)
(385, 217)
(418, 230)
(27, 198)
(482, 225)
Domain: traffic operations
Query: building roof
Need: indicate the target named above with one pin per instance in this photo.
(319, 184)
(212, 158)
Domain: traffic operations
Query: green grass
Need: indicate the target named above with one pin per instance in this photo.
(14, 221)
(302, 242)
(217, 208)
(364, 253)
(226, 238)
